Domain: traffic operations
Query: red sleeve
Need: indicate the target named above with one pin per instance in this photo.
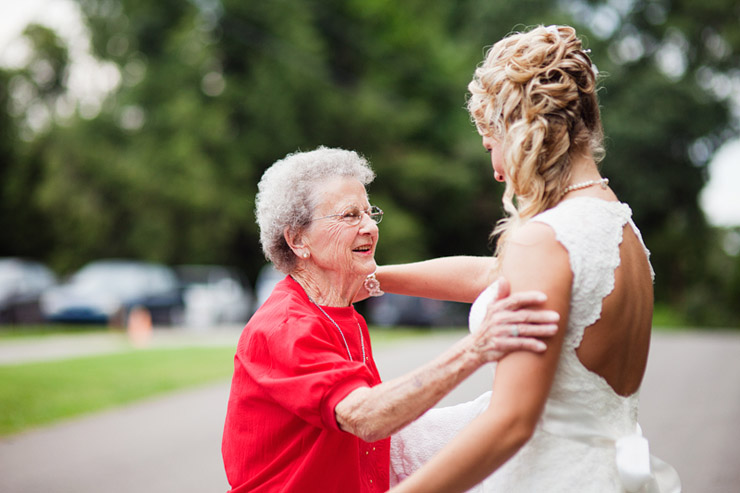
(303, 366)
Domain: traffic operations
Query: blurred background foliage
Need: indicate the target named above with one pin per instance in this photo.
(209, 93)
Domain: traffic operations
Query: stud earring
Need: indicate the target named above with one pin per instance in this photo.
(306, 254)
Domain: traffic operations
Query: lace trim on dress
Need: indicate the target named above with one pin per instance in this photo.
(644, 247)
(593, 258)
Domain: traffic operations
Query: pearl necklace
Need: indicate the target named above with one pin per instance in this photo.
(578, 186)
(359, 329)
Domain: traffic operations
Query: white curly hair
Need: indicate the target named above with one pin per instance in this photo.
(287, 195)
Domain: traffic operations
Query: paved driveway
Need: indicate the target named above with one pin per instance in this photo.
(689, 408)
(689, 411)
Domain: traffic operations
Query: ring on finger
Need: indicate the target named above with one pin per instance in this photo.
(515, 331)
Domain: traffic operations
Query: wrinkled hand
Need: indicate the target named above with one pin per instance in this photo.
(512, 323)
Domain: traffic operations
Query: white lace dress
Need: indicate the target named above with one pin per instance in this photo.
(587, 439)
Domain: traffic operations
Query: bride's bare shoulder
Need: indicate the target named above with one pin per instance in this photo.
(534, 253)
(533, 234)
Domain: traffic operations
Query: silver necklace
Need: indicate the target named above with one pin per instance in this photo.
(578, 186)
(359, 329)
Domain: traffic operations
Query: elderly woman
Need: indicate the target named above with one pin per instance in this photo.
(307, 410)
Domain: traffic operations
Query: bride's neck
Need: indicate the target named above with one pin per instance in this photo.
(584, 169)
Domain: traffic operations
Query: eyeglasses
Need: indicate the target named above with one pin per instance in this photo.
(353, 215)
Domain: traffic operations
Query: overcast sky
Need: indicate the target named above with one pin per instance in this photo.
(720, 199)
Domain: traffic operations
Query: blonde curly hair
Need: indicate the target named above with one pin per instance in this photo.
(535, 94)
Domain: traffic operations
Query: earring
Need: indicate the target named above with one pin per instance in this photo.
(306, 254)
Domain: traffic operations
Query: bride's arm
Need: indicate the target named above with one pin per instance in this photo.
(460, 278)
(534, 260)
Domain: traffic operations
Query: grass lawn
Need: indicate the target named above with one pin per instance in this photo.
(10, 332)
(39, 393)
(33, 394)
(666, 318)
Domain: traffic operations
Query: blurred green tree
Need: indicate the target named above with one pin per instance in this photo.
(28, 98)
(664, 117)
(211, 92)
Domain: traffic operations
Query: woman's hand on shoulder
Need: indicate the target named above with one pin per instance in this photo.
(513, 322)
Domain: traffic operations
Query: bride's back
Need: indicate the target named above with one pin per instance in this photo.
(616, 346)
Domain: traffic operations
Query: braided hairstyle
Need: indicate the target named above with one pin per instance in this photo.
(535, 93)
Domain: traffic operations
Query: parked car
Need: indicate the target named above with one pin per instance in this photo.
(105, 291)
(214, 295)
(21, 284)
(394, 309)
(267, 278)
(387, 310)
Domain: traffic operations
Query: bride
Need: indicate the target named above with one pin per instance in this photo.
(565, 420)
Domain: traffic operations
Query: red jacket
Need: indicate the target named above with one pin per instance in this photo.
(290, 370)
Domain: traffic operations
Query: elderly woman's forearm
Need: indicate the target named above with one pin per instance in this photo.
(372, 413)
(459, 278)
